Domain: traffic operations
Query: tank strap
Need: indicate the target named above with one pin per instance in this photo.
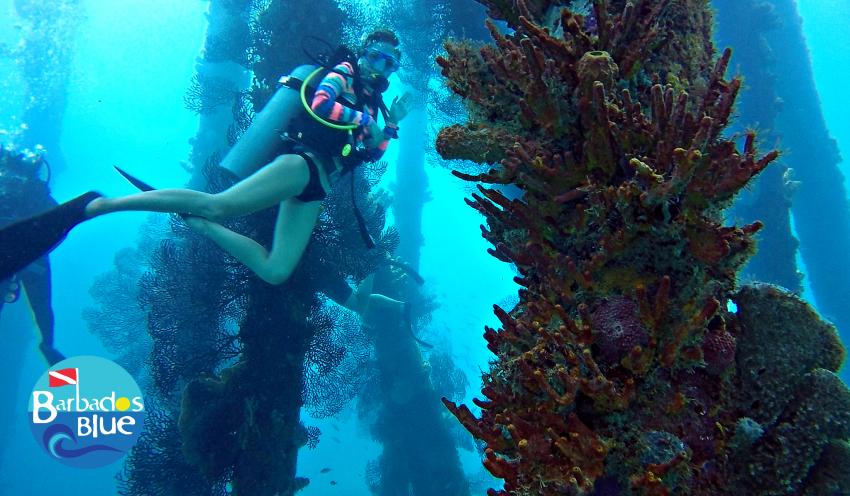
(295, 83)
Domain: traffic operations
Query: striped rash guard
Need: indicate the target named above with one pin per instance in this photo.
(326, 105)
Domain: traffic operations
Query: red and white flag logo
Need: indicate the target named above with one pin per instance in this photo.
(62, 377)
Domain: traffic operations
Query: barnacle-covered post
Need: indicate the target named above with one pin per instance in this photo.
(403, 402)
(820, 207)
(263, 394)
(215, 422)
(258, 402)
(189, 297)
(406, 406)
(743, 25)
(218, 89)
(617, 370)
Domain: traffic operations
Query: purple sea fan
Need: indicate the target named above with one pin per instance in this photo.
(617, 329)
(718, 350)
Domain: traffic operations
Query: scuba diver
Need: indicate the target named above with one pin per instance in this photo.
(374, 309)
(362, 301)
(23, 192)
(323, 132)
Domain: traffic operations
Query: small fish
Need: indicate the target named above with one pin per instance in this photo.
(325, 470)
(333, 483)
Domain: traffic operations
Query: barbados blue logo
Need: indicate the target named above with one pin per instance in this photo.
(86, 411)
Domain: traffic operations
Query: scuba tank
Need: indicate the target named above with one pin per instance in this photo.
(261, 142)
(288, 116)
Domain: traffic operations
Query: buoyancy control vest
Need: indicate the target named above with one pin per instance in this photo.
(322, 135)
(286, 113)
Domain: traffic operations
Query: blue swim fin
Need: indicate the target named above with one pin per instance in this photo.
(27, 240)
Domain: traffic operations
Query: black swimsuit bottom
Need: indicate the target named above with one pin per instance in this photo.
(314, 190)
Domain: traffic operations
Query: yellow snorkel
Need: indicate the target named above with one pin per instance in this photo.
(346, 150)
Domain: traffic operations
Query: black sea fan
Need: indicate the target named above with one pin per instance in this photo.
(335, 362)
(118, 320)
(156, 466)
(194, 297)
(206, 93)
(337, 242)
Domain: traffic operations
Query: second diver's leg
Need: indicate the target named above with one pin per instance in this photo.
(37, 284)
(373, 307)
(382, 309)
(295, 222)
(4, 287)
(362, 299)
(284, 177)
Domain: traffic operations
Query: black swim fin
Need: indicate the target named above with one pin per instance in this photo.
(407, 322)
(27, 240)
(141, 185)
(135, 181)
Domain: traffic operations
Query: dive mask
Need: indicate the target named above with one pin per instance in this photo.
(380, 61)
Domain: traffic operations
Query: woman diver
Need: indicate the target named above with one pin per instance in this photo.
(296, 181)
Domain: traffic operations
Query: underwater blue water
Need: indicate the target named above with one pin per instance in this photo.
(825, 26)
(132, 64)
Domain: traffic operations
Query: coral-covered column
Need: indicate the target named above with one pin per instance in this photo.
(617, 371)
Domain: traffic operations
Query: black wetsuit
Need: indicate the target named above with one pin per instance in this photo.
(35, 280)
(23, 195)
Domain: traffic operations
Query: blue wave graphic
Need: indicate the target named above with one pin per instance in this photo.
(54, 441)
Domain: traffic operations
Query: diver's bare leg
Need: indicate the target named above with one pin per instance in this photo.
(384, 305)
(295, 222)
(284, 177)
(359, 299)
(36, 281)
